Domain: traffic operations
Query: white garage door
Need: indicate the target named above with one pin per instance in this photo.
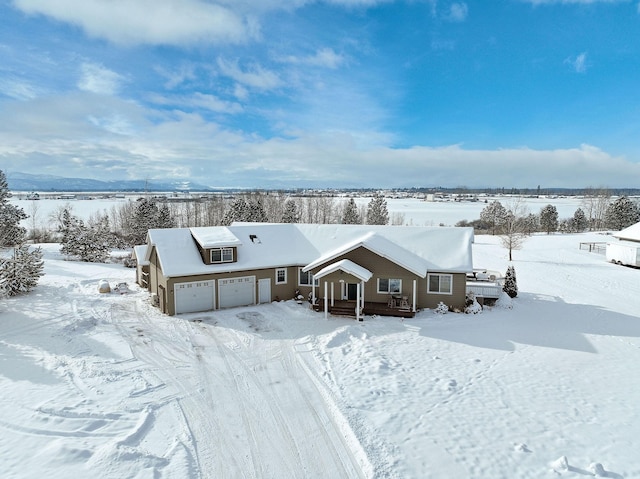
(194, 297)
(237, 291)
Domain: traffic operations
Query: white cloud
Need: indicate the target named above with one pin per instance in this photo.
(176, 77)
(579, 63)
(324, 57)
(256, 76)
(165, 22)
(198, 101)
(457, 12)
(18, 89)
(97, 79)
(77, 134)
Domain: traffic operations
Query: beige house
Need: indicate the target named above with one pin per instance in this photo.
(363, 268)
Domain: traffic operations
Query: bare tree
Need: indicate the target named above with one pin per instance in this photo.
(595, 204)
(514, 226)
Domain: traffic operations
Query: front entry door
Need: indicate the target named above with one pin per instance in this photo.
(352, 291)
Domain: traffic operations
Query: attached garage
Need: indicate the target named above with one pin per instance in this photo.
(237, 291)
(194, 296)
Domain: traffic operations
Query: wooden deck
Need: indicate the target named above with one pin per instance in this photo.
(348, 308)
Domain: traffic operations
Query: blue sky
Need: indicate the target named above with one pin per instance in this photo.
(335, 93)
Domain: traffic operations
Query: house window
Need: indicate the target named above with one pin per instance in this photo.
(305, 278)
(389, 285)
(281, 276)
(222, 255)
(440, 283)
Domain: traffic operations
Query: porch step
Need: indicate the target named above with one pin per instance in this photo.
(343, 310)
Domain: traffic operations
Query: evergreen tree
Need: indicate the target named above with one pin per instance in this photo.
(290, 213)
(238, 211)
(71, 228)
(21, 272)
(549, 219)
(350, 216)
(88, 243)
(255, 211)
(530, 224)
(147, 215)
(579, 222)
(11, 233)
(622, 213)
(164, 218)
(510, 284)
(494, 215)
(377, 213)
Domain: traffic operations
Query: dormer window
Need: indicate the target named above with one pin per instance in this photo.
(222, 255)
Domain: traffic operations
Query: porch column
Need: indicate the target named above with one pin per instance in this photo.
(362, 291)
(332, 295)
(358, 317)
(415, 288)
(313, 293)
(326, 301)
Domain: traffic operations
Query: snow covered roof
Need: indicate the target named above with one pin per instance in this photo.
(140, 253)
(631, 233)
(382, 247)
(215, 237)
(347, 266)
(268, 245)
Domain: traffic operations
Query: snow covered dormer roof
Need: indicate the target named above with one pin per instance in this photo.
(631, 233)
(218, 237)
(382, 247)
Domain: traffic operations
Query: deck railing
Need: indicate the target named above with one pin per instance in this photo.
(491, 290)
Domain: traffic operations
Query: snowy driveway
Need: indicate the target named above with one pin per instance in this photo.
(249, 405)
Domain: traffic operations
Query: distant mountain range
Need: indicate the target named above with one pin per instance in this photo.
(44, 183)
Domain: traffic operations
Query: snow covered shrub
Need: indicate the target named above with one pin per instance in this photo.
(504, 301)
(471, 305)
(129, 262)
(510, 284)
(442, 308)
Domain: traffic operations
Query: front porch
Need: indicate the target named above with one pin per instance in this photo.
(348, 308)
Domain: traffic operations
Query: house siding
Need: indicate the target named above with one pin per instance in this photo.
(384, 268)
(456, 300)
(380, 267)
(278, 291)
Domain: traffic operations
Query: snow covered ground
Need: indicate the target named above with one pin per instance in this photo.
(102, 385)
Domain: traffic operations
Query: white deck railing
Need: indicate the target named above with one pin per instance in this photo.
(485, 290)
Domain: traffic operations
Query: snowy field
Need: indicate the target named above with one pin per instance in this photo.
(103, 385)
(415, 211)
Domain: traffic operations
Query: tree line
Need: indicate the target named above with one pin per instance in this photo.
(513, 222)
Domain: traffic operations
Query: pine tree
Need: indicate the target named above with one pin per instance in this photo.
(494, 215)
(20, 273)
(622, 213)
(510, 284)
(290, 213)
(11, 233)
(90, 243)
(238, 211)
(255, 211)
(164, 219)
(350, 215)
(549, 219)
(377, 213)
(579, 222)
